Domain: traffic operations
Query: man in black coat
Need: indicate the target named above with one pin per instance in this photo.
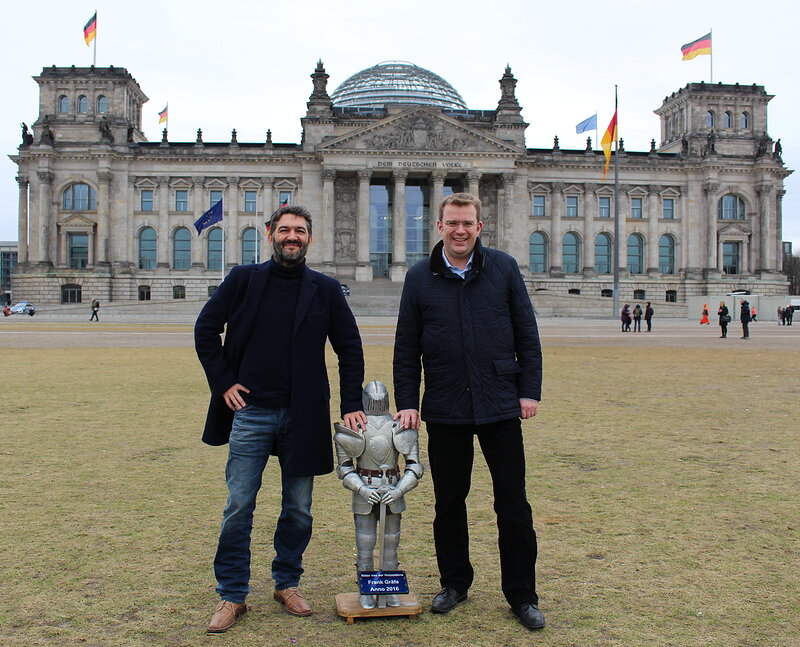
(270, 396)
(465, 316)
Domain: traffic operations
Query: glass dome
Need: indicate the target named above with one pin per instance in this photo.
(396, 82)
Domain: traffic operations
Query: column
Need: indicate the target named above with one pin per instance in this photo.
(777, 247)
(162, 240)
(231, 222)
(124, 234)
(709, 192)
(555, 229)
(437, 195)
(328, 229)
(766, 229)
(474, 179)
(22, 246)
(651, 262)
(624, 212)
(363, 267)
(720, 256)
(589, 211)
(103, 213)
(41, 225)
(266, 202)
(398, 269)
(197, 210)
(683, 214)
(506, 228)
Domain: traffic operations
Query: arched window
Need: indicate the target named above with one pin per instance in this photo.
(79, 197)
(214, 258)
(744, 120)
(83, 105)
(710, 119)
(635, 254)
(666, 254)
(731, 207)
(250, 246)
(63, 104)
(102, 105)
(178, 291)
(538, 252)
(602, 254)
(727, 120)
(147, 249)
(181, 249)
(571, 253)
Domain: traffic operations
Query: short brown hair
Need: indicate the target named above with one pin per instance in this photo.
(295, 209)
(460, 200)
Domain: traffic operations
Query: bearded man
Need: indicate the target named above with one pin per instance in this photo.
(269, 396)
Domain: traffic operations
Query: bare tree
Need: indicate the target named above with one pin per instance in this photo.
(791, 265)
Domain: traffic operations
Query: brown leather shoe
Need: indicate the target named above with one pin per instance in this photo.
(293, 601)
(225, 616)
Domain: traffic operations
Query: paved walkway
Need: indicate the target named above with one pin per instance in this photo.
(64, 332)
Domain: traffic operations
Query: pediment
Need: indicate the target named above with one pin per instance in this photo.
(734, 229)
(418, 129)
(76, 220)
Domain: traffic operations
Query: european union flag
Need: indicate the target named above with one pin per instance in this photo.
(213, 215)
(587, 124)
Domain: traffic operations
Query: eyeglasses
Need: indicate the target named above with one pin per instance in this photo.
(454, 224)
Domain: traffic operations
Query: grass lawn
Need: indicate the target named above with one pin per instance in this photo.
(664, 485)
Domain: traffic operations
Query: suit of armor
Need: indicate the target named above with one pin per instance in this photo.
(368, 465)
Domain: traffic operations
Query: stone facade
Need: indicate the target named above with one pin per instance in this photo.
(104, 213)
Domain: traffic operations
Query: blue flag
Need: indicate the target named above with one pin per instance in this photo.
(587, 124)
(213, 215)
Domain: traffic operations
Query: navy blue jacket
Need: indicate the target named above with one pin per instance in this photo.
(322, 313)
(476, 339)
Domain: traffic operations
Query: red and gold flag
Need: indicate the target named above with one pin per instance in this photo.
(697, 47)
(608, 139)
(162, 116)
(90, 29)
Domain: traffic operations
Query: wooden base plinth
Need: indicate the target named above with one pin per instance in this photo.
(348, 607)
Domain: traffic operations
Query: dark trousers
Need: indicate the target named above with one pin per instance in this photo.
(745, 330)
(647, 321)
(451, 451)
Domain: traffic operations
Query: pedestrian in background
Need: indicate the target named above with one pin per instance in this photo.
(625, 318)
(648, 315)
(753, 314)
(637, 318)
(704, 317)
(744, 315)
(724, 319)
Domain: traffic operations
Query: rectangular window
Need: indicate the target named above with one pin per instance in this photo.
(250, 201)
(147, 200)
(636, 208)
(572, 206)
(78, 250)
(284, 197)
(730, 258)
(538, 206)
(668, 209)
(604, 204)
(215, 196)
(182, 200)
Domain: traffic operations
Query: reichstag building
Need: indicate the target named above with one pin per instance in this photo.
(105, 213)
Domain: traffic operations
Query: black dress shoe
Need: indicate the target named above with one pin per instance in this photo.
(446, 600)
(529, 616)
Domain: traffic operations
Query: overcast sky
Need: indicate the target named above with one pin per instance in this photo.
(246, 64)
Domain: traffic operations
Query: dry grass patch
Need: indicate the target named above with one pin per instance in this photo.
(663, 483)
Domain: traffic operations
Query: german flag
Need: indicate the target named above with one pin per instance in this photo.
(90, 29)
(609, 138)
(697, 47)
(163, 115)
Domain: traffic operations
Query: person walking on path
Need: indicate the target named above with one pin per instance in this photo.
(637, 318)
(781, 316)
(270, 396)
(648, 315)
(95, 309)
(788, 312)
(724, 319)
(744, 315)
(465, 315)
(753, 314)
(625, 318)
(704, 317)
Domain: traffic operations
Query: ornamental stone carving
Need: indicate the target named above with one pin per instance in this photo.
(364, 174)
(345, 192)
(558, 187)
(419, 132)
(710, 188)
(46, 177)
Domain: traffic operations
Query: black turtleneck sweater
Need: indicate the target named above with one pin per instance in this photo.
(266, 367)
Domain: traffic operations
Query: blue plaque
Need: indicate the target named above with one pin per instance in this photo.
(383, 582)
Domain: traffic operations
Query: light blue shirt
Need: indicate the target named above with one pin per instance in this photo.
(457, 270)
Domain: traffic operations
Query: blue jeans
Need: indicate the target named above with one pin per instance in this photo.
(256, 434)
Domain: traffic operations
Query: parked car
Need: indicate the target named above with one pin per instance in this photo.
(345, 290)
(23, 308)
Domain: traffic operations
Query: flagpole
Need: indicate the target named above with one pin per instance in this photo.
(94, 49)
(616, 206)
(711, 55)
